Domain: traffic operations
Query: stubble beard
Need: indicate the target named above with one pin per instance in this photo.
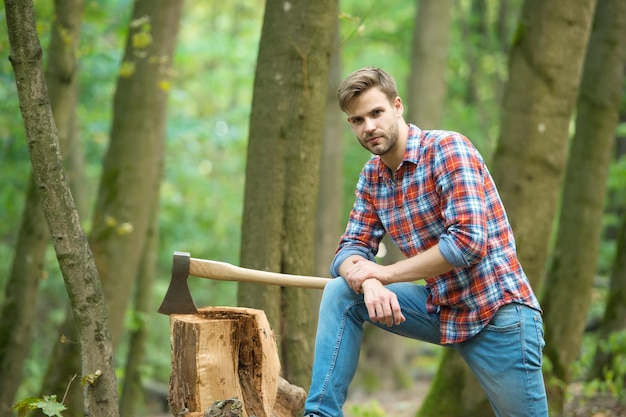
(387, 141)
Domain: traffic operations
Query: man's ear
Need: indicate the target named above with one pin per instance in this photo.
(397, 104)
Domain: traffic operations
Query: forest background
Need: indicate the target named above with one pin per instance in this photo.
(208, 128)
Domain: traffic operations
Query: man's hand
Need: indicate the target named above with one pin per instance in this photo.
(360, 269)
(382, 304)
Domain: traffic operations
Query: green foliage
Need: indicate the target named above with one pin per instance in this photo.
(48, 405)
(371, 409)
(614, 381)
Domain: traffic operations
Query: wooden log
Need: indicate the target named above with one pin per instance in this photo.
(289, 400)
(221, 353)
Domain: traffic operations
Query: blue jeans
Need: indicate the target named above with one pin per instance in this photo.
(506, 356)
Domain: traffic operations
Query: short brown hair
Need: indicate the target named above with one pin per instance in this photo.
(362, 80)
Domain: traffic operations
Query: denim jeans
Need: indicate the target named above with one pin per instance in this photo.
(505, 357)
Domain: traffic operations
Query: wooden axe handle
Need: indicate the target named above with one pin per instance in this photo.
(227, 272)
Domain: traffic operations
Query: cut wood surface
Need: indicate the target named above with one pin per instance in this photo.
(221, 353)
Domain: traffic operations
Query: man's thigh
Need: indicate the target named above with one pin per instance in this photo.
(506, 358)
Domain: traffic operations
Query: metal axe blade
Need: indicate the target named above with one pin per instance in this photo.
(178, 299)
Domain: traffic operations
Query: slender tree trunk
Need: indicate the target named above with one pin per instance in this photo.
(614, 319)
(330, 201)
(75, 258)
(567, 290)
(132, 392)
(282, 175)
(427, 79)
(20, 295)
(33, 238)
(529, 159)
(132, 167)
(383, 364)
(133, 164)
(455, 391)
(545, 65)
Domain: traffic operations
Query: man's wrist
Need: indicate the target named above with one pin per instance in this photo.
(369, 282)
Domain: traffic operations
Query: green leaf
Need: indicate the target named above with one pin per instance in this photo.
(50, 407)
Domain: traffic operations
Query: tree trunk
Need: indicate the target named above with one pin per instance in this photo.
(383, 364)
(282, 177)
(132, 392)
(614, 319)
(530, 156)
(70, 244)
(427, 80)
(21, 290)
(133, 164)
(567, 290)
(545, 65)
(454, 391)
(33, 238)
(330, 201)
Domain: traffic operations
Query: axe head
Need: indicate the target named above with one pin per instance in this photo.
(178, 299)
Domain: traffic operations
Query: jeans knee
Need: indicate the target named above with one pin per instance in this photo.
(337, 293)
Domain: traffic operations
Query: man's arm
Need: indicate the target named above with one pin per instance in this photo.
(369, 278)
(356, 269)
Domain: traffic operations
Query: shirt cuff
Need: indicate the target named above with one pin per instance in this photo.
(451, 252)
(346, 252)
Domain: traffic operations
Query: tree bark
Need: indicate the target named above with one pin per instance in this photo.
(614, 319)
(132, 391)
(454, 391)
(330, 201)
(33, 237)
(282, 174)
(545, 65)
(383, 364)
(567, 290)
(427, 80)
(70, 244)
(132, 166)
(21, 293)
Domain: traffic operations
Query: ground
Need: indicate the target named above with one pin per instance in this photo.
(406, 403)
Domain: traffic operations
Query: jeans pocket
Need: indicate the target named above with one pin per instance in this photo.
(507, 319)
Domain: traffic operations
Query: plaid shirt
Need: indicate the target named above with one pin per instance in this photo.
(442, 188)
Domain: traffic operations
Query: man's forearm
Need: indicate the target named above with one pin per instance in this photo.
(426, 264)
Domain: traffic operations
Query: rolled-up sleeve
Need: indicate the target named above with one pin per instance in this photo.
(345, 252)
(460, 181)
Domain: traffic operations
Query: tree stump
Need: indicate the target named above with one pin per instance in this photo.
(223, 353)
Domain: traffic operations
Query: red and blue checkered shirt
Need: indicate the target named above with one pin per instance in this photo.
(442, 192)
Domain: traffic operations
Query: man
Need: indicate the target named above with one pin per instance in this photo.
(432, 193)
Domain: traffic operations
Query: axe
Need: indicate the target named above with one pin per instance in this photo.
(178, 298)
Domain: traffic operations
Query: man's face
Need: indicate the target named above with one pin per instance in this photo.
(374, 120)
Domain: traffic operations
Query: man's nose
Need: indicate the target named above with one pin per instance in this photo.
(370, 126)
